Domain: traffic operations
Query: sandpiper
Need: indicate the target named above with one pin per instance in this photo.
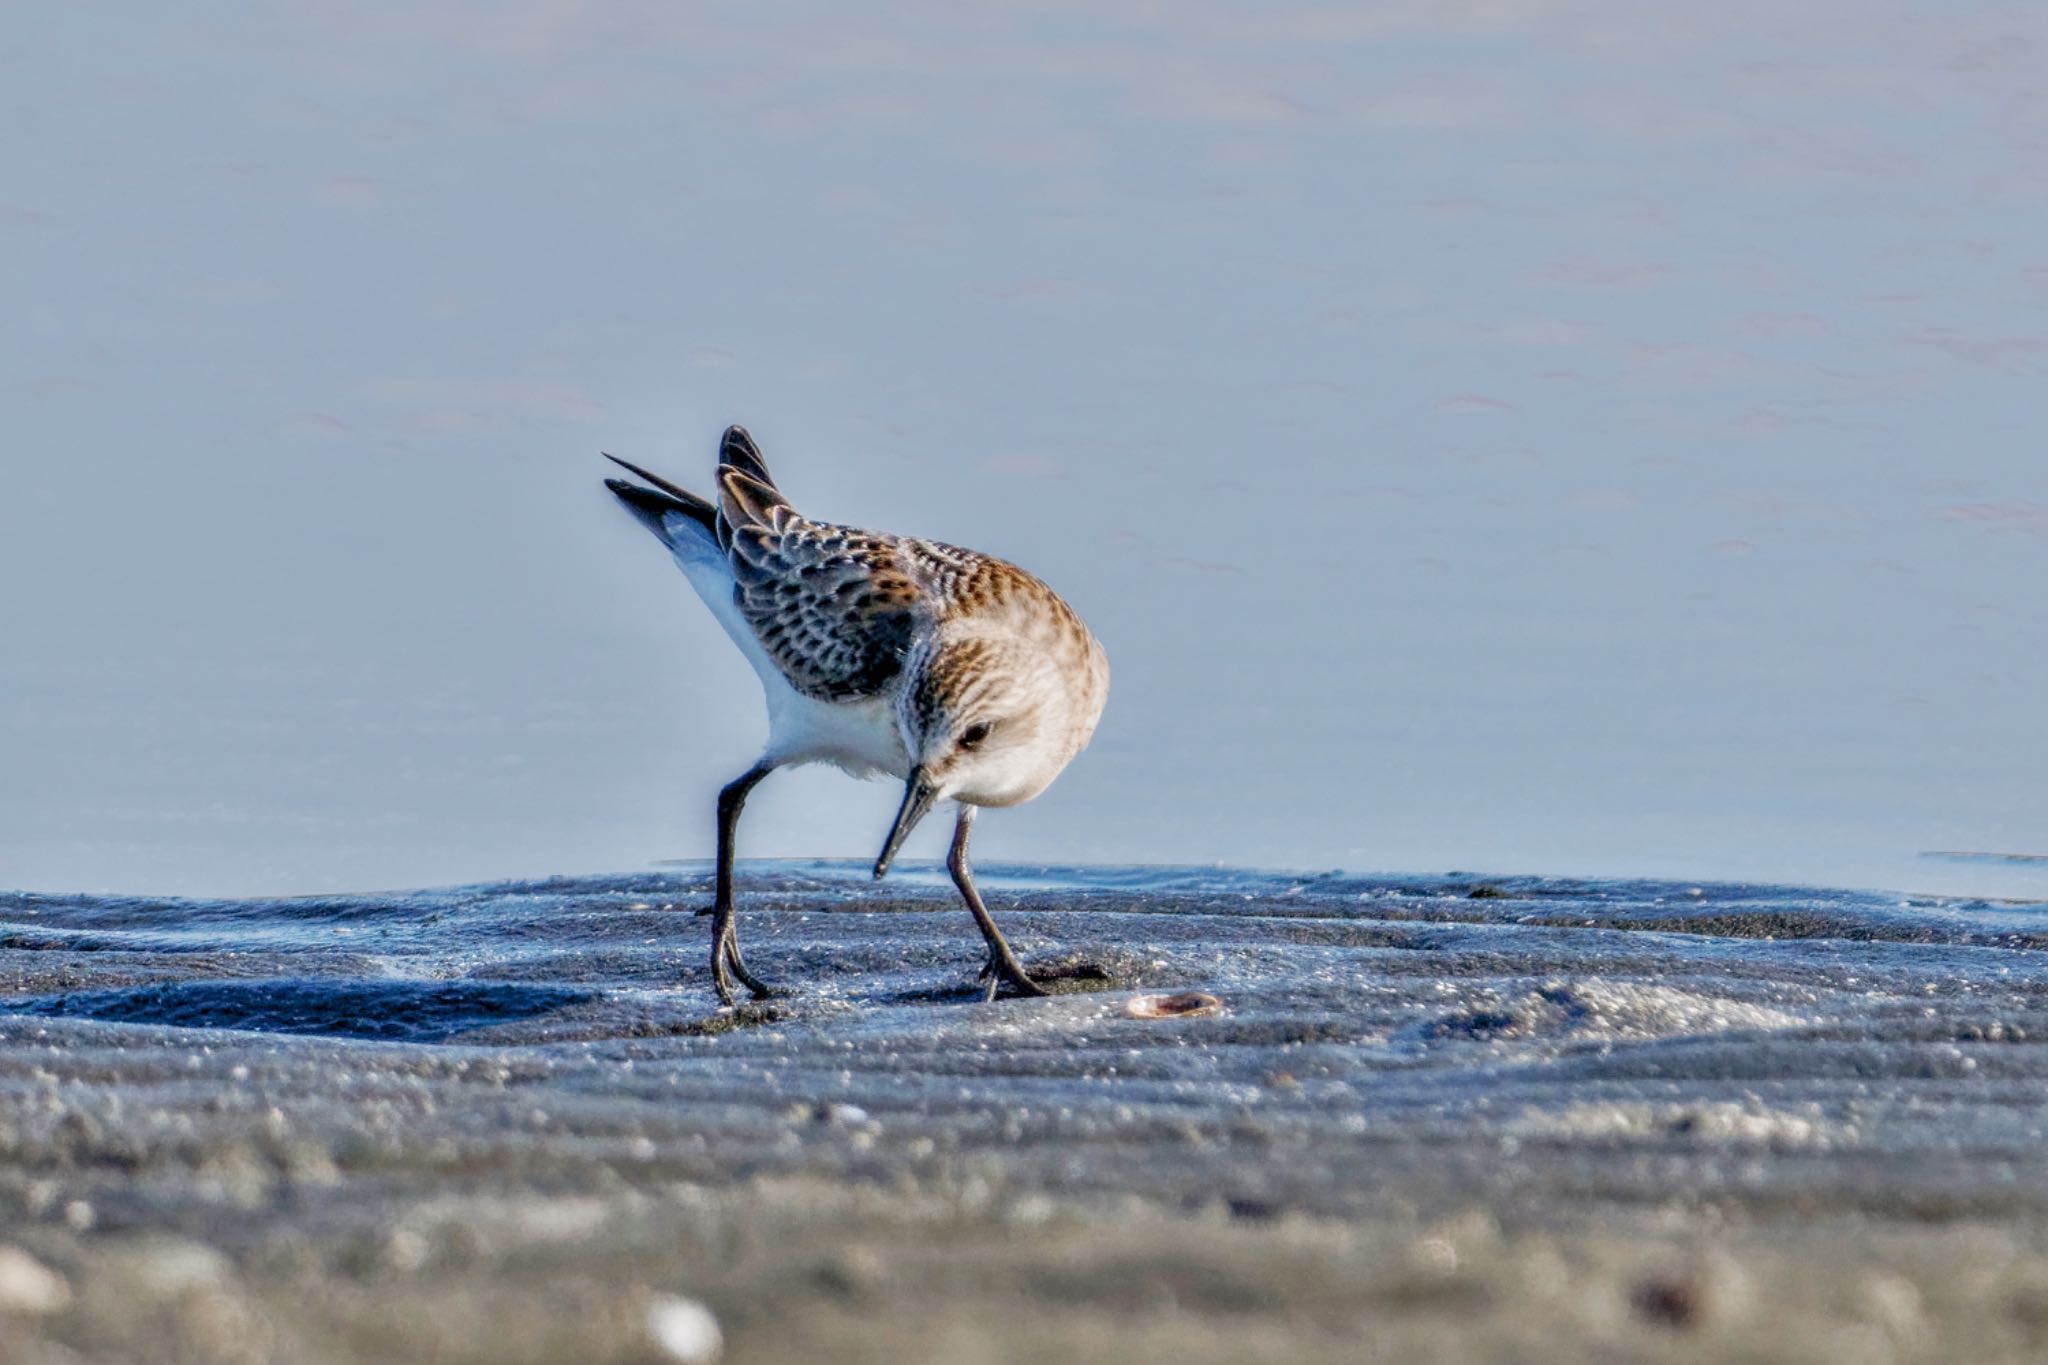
(882, 654)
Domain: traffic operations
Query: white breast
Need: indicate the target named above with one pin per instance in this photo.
(859, 736)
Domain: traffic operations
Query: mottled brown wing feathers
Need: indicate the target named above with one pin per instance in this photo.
(744, 500)
(746, 490)
(738, 451)
(834, 607)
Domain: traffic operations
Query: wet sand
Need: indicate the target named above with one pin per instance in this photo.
(1436, 1119)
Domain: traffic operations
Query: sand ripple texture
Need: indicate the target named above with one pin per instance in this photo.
(474, 1105)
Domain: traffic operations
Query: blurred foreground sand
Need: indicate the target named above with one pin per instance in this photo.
(797, 1270)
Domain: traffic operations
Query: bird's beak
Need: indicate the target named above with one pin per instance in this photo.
(919, 796)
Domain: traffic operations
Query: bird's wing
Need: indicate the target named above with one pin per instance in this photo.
(834, 607)
(752, 487)
(738, 450)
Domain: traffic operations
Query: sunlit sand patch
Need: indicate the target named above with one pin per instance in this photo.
(1597, 1008)
(1726, 1123)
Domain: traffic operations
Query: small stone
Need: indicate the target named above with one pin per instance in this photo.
(1674, 1300)
(170, 1268)
(406, 1250)
(685, 1329)
(28, 1287)
(1434, 1256)
(1032, 1210)
(852, 1271)
(839, 1115)
(1894, 1303)
(1714, 1289)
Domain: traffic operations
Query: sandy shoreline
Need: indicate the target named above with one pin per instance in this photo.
(1424, 1128)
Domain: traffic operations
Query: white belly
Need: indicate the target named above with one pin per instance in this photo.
(859, 736)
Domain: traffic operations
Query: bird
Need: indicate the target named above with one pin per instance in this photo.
(958, 673)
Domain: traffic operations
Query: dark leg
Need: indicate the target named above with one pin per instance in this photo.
(725, 934)
(1002, 963)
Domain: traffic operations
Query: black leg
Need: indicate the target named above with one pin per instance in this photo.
(725, 934)
(1002, 963)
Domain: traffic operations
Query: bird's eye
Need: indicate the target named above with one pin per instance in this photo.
(973, 735)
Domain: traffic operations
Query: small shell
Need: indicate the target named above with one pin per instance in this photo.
(1191, 1005)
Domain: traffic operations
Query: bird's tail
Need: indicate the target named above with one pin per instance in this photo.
(679, 518)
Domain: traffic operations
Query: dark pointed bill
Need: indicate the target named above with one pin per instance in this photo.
(919, 796)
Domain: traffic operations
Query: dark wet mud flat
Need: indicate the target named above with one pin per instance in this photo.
(1436, 1119)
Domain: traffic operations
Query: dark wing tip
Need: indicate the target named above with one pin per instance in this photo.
(738, 451)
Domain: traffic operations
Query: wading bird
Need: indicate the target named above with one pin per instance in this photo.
(964, 676)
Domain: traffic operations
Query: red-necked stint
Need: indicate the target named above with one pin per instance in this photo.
(963, 675)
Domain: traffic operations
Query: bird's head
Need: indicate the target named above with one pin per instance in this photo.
(990, 720)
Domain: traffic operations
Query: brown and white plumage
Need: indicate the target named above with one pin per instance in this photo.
(957, 671)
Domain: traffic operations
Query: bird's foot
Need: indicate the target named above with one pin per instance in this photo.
(728, 955)
(997, 974)
(761, 989)
(721, 982)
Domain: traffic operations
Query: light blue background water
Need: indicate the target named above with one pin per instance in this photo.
(1572, 436)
